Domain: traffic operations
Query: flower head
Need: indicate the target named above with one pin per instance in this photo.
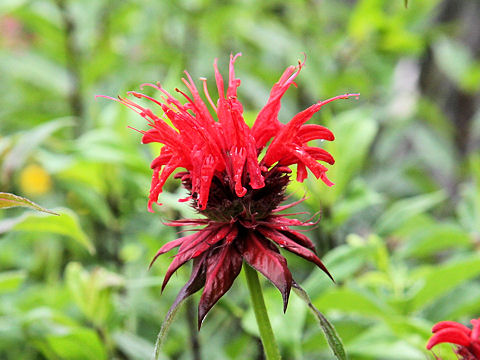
(236, 188)
(466, 339)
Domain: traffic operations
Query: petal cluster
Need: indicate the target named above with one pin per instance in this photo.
(236, 177)
(206, 146)
(466, 339)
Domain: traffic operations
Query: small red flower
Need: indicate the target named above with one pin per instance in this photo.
(231, 183)
(467, 340)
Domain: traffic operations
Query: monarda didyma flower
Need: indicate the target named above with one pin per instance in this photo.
(467, 340)
(235, 180)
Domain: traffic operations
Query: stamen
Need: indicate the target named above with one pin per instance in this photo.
(207, 95)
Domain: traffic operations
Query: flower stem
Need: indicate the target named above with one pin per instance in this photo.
(266, 333)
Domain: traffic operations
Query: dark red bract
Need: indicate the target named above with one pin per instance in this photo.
(467, 340)
(237, 190)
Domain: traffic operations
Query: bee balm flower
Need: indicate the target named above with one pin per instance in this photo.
(235, 188)
(466, 339)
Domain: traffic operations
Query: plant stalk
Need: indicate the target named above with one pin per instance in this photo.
(266, 333)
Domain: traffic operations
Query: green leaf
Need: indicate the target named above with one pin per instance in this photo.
(343, 262)
(11, 280)
(66, 224)
(134, 346)
(7, 6)
(378, 342)
(457, 62)
(468, 209)
(441, 279)
(333, 339)
(360, 196)
(36, 70)
(353, 302)
(91, 291)
(28, 142)
(58, 336)
(77, 344)
(403, 210)
(354, 132)
(426, 240)
(8, 200)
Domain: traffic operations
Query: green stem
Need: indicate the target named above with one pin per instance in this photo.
(266, 333)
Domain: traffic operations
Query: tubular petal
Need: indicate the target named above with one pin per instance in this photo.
(449, 335)
(450, 324)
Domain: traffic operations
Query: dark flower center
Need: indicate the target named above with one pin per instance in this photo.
(224, 205)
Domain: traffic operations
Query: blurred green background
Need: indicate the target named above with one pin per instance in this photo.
(400, 230)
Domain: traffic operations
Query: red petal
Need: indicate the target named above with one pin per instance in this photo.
(233, 83)
(258, 253)
(449, 335)
(206, 174)
(476, 329)
(320, 154)
(222, 269)
(450, 324)
(310, 132)
(267, 125)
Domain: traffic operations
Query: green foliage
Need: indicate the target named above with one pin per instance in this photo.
(8, 200)
(399, 231)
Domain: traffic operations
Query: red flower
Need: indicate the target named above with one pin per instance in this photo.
(467, 341)
(236, 188)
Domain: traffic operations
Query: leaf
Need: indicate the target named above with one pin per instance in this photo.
(360, 196)
(457, 62)
(8, 200)
(354, 133)
(468, 209)
(343, 262)
(58, 336)
(11, 280)
(37, 70)
(77, 344)
(378, 342)
(28, 141)
(441, 279)
(66, 224)
(7, 6)
(426, 240)
(354, 301)
(133, 345)
(333, 339)
(405, 209)
(91, 291)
